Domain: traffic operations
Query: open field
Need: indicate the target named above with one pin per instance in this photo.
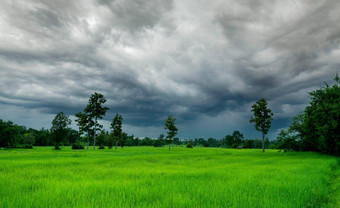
(156, 177)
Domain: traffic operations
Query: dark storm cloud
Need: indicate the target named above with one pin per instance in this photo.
(204, 62)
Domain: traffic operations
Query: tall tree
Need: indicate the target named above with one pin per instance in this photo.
(262, 119)
(59, 128)
(94, 111)
(116, 126)
(318, 126)
(172, 129)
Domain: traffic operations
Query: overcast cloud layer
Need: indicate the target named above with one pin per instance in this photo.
(205, 62)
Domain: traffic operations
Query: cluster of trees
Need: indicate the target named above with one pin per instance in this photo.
(16, 136)
(317, 128)
(88, 123)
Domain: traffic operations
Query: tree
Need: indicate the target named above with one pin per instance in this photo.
(123, 138)
(8, 134)
(233, 140)
(59, 128)
(238, 138)
(172, 129)
(287, 141)
(228, 140)
(101, 139)
(116, 126)
(262, 118)
(88, 121)
(318, 126)
(85, 125)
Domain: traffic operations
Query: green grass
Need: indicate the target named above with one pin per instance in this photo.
(156, 177)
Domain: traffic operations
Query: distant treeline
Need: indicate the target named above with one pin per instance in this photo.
(16, 136)
(317, 128)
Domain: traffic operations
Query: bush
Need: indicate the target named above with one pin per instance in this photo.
(189, 145)
(101, 147)
(28, 146)
(77, 145)
(25, 146)
(157, 143)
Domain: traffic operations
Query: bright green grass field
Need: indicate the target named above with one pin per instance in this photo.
(156, 177)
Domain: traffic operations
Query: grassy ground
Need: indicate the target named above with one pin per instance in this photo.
(156, 177)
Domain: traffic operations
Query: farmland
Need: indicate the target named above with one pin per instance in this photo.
(156, 177)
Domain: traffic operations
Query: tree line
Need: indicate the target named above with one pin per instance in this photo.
(315, 129)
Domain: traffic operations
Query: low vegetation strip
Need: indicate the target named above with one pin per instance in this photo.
(156, 177)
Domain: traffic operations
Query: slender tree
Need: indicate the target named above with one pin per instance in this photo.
(59, 128)
(262, 118)
(116, 127)
(94, 111)
(172, 129)
(85, 125)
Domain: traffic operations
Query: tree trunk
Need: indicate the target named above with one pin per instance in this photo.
(262, 142)
(169, 147)
(116, 144)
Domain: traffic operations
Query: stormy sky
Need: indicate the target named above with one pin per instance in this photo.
(205, 62)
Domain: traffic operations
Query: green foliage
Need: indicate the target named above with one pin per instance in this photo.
(249, 143)
(157, 143)
(88, 120)
(318, 127)
(235, 140)
(287, 141)
(189, 145)
(262, 118)
(8, 134)
(59, 128)
(78, 145)
(156, 177)
(102, 138)
(172, 129)
(116, 126)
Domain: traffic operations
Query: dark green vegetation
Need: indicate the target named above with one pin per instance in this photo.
(317, 128)
(59, 128)
(116, 126)
(88, 120)
(156, 177)
(262, 119)
(172, 130)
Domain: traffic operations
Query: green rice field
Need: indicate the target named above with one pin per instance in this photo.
(156, 177)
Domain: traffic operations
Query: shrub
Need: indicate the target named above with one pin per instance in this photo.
(189, 145)
(77, 145)
(157, 143)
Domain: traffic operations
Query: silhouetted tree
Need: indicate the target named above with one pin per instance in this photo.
(94, 111)
(172, 129)
(59, 128)
(116, 126)
(262, 118)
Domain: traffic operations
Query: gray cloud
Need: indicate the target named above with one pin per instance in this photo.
(204, 62)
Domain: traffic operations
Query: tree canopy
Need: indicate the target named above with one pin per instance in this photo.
(317, 128)
(262, 119)
(172, 129)
(116, 126)
(59, 128)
